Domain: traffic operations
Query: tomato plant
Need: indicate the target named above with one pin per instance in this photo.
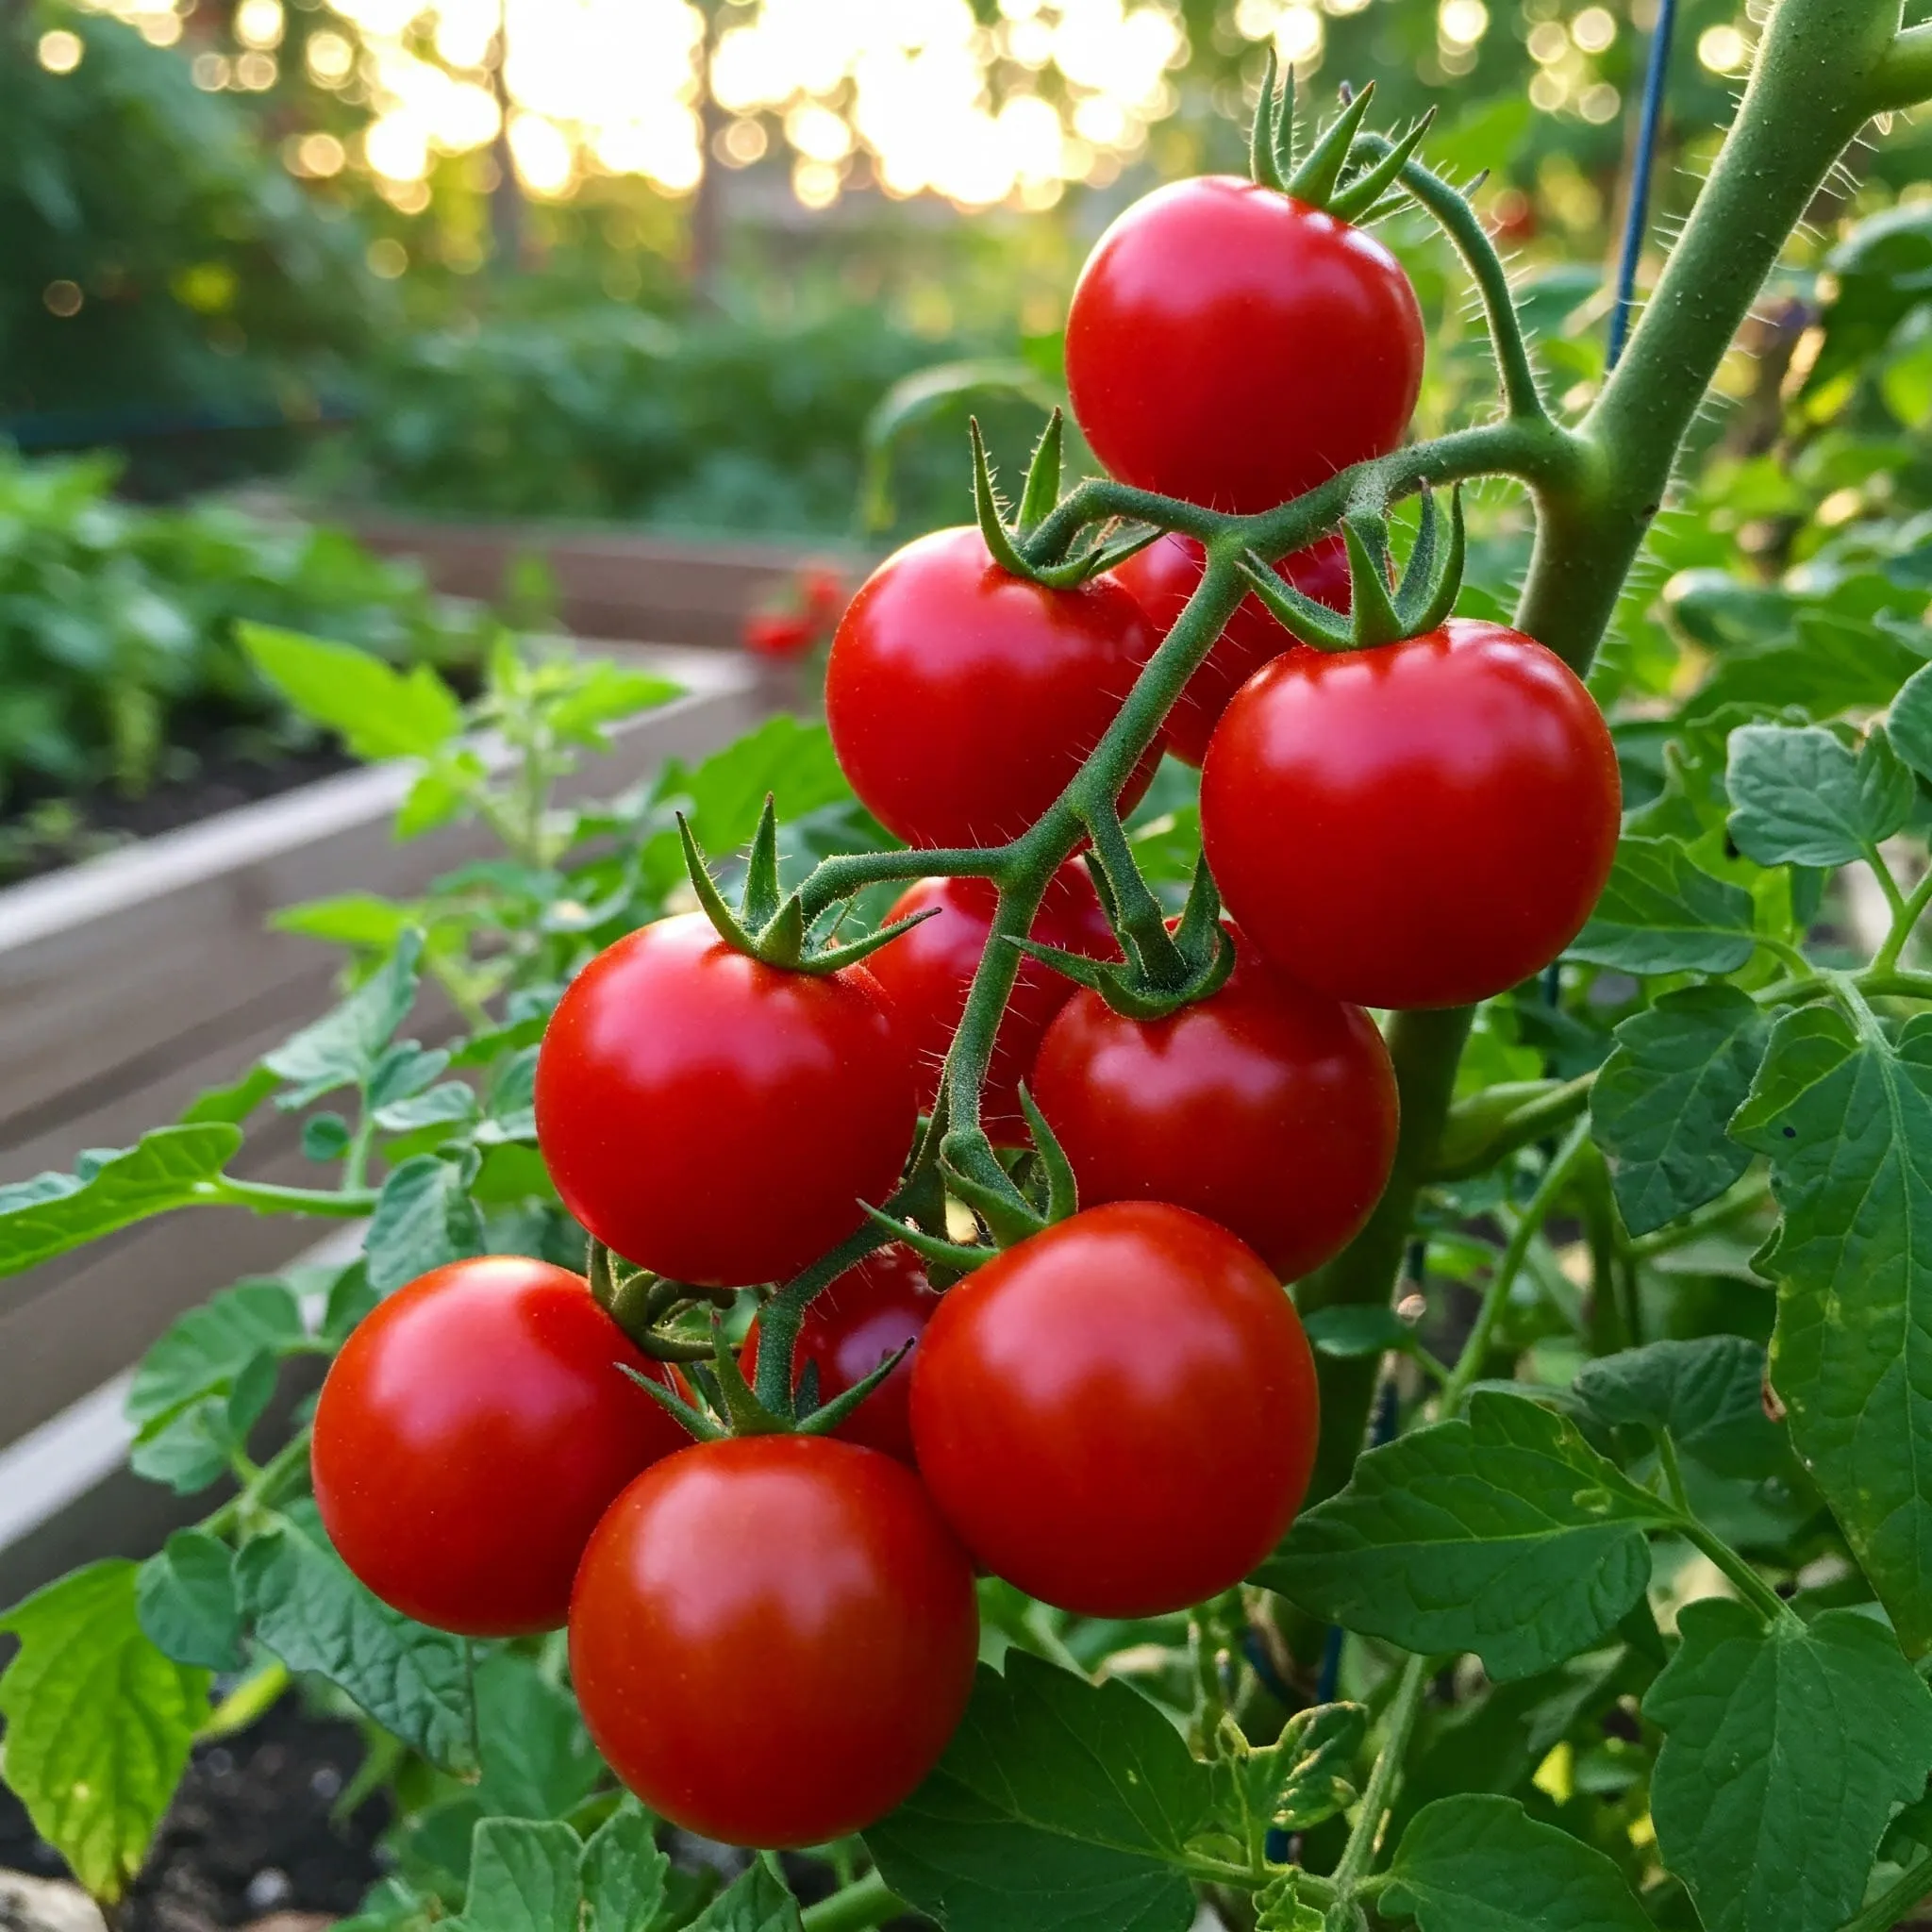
(1499, 1496)
(772, 1638)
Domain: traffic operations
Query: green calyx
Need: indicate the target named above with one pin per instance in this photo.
(1316, 177)
(1423, 596)
(643, 1304)
(1039, 496)
(768, 923)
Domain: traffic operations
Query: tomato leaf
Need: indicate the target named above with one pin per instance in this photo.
(1661, 1105)
(602, 692)
(1507, 1534)
(1909, 722)
(1799, 796)
(523, 1877)
(1785, 1752)
(1059, 1806)
(757, 1903)
(620, 1874)
(538, 1760)
(1482, 1864)
(53, 1212)
(314, 1615)
(208, 1347)
(1709, 1393)
(186, 1603)
(99, 1722)
(423, 1218)
(343, 1047)
(1659, 912)
(376, 711)
(1846, 1119)
(1356, 1331)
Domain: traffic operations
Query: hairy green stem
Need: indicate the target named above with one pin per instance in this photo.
(1905, 919)
(866, 1902)
(270, 1197)
(1403, 1708)
(1894, 1903)
(261, 1490)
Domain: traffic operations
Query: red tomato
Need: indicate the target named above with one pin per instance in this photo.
(1164, 576)
(716, 1119)
(1265, 1107)
(1233, 346)
(962, 700)
(1422, 824)
(772, 1638)
(1118, 1415)
(865, 1318)
(927, 974)
(470, 1433)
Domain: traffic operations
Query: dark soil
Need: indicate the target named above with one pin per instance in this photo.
(249, 1833)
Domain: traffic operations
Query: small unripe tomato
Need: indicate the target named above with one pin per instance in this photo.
(470, 1434)
(772, 1638)
(715, 1119)
(1118, 1414)
(1425, 823)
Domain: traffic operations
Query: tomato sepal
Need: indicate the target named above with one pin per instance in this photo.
(826, 1416)
(687, 1416)
(1060, 1194)
(935, 1249)
(1098, 556)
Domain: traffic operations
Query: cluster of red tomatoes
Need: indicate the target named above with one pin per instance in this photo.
(772, 1636)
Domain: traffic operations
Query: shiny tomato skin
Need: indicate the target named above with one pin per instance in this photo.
(1118, 1415)
(470, 1434)
(1164, 576)
(1267, 1107)
(1422, 825)
(927, 974)
(1233, 346)
(962, 699)
(772, 1638)
(866, 1317)
(716, 1119)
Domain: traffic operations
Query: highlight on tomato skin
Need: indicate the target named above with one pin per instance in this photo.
(1267, 1107)
(962, 699)
(925, 974)
(1425, 823)
(470, 1434)
(1165, 574)
(772, 1638)
(715, 1119)
(1233, 346)
(1118, 1415)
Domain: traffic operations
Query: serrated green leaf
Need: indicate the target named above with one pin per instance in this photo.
(233, 1103)
(1482, 1864)
(538, 1760)
(620, 1874)
(1784, 1752)
(209, 1346)
(98, 1724)
(186, 1603)
(1507, 1534)
(1661, 913)
(1846, 1120)
(1299, 1780)
(378, 711)
(352, 918)
(523, 1877)
(791, 760)
(311, 1613)
(1282, 1909)
(1663, 1101)
(1358, 1331)
(1059, 1806)
(601, 692)
(165, 1169)
(343, 1048)
(758, 1902)
(442, 790)
(1709, 1393)
(1800, 797)
(195, 1445)
(1909, 722)
(422, 1218)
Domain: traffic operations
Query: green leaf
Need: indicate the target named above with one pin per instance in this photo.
(1282, 1909)
(1303, 1778)
(1358, 1331)
(601, 692)
(233, 1103)
(1507, 1534)
(443, 789)
(186, 1603)
(197, 1444)
(620, 1874)
(343, 1048)
(1846, 1119)
(757, 1903)
(312, 1615)
(523, 1877)
(1661, 913)
(1800, 797)
(352, 918)
(378, 711)
(98, 1724)
(1662, 1103)
(208, 1346)
(792, 760)
(538, 1760)
(1482, 1864)
(53, 1212)
(422, 1218)
(1059, 1806)
(1909, 722)
(1786, 1751)
(1709, 1393)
